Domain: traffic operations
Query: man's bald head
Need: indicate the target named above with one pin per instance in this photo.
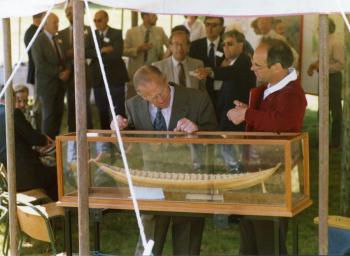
(101, 20)
(51, 24)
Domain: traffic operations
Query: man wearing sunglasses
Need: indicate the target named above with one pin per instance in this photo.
(209, 50)
(110, 44)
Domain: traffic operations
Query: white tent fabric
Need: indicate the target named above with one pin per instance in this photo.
(17, 8)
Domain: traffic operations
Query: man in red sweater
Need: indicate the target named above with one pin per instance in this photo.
(277, 106)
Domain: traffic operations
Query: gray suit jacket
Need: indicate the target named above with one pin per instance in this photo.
(189, 103)
(47, 65)
(167, 68)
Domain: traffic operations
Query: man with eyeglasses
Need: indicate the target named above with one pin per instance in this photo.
(179, 65)
(110, 44)
(276, 106)
(159, 106)
(237, 80)
(144, 44)
(209, 50)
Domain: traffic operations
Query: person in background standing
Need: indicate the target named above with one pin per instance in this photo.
(196, 27)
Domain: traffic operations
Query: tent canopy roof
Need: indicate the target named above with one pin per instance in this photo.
(240, 8)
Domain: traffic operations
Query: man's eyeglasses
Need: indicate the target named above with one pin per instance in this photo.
(228, 44)
(213, 25)
(97, 20)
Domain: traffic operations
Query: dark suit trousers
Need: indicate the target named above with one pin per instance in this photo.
(257, 237)
(118, 97)
(186, 234)
(335, 87)
(52, 111)
(71, 108)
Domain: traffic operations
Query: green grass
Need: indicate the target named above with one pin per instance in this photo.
(119, 231)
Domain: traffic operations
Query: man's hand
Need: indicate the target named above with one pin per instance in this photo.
(144, 47)
(122, 123)
(186, 125)
(64, 75)
(313, 67)
(107, 49)
(237, 115)
(201, 73)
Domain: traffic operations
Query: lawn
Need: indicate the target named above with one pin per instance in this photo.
(119, 232)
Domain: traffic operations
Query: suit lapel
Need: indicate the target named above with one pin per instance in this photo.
(144, 116)
(179, 109)
(170, 70)
(50, 48)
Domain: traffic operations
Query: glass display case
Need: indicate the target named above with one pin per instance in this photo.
(263, 174)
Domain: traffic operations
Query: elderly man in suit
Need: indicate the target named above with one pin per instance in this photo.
(237, 80)
(51, 75)
(159, 106)
(31, 173)
(110, 43)
(209, 50)
(178, 66)
(144, 44)
(67, 44)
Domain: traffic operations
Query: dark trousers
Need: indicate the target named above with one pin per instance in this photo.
(186, 234)
(118, 97)
(71, 108)
(52, 107)
(335, 87)
(36, 175)
(257, 237)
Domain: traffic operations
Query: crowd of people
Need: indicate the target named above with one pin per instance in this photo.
(199, 78)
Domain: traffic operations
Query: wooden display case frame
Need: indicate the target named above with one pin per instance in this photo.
(117, 198)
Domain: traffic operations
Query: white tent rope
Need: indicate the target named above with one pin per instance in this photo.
(146, 245)
(343, 15)
(43, 21)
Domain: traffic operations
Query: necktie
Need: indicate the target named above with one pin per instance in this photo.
(159, 122)
(211, 55)
(146, 40)
(60, 58)
(182, 78)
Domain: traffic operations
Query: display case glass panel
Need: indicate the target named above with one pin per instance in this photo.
(206, 172)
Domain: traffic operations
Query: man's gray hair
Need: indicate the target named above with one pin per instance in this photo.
(146, 74)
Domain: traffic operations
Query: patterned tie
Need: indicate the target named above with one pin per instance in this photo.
(146, 40)
(182, 78)
(211, 55)
(159, 122)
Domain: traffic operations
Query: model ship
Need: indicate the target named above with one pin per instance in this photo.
(189, 181)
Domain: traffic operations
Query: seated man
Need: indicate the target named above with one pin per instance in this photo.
(31, 173)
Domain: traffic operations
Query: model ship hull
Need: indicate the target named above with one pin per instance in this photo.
(189, 181)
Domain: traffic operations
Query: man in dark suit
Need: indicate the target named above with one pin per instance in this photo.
(28, 35)
(237, 80)
(67, 44)
(51, 74)
(209, 50)
(159, 106)
(31, 173)
(110, 43)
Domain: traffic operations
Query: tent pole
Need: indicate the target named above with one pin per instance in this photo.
(323, 134)
(10, 138)
(80, 113)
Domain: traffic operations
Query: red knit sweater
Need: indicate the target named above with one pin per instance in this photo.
(281, 111)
